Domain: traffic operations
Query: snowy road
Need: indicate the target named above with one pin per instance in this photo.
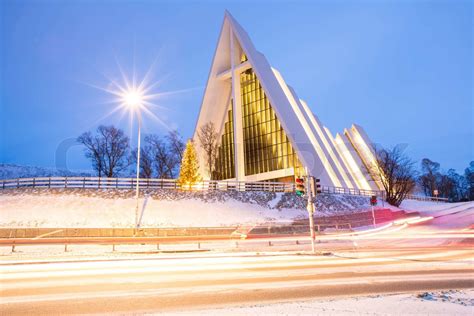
(177, 282)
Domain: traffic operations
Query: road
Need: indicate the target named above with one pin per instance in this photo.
(406, 256)
(168, 282)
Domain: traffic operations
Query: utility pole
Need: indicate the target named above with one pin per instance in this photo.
(310, 208)
(137, 189)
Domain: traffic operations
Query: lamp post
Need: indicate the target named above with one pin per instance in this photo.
(134, 99)
(137, 191)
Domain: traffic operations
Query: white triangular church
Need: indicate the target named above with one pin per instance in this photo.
(266, 133)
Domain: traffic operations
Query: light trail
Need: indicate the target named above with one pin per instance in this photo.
(81, 287)
(47, 234)
(160, 266)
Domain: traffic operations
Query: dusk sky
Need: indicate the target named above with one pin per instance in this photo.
(401, 69)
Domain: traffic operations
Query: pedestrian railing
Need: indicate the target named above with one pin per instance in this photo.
(130, 183)
(426, 198)
(340, 190)
(172, 184)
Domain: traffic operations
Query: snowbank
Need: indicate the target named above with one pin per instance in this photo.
(446, 215)
(452, 302)
(116, 208)
(65, 210)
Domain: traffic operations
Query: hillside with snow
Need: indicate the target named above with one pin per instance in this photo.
(12, 171)
(73, 207)
(116, 208)
(445, 215)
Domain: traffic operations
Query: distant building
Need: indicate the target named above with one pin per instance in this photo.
(266, 131)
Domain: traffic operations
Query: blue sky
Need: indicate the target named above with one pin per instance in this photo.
(401, 69)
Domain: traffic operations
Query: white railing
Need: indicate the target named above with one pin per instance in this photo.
(426, 198)
(130, 183)
(340, 190)
(172, 184)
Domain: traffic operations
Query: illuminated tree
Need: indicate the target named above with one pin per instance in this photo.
(189, 172)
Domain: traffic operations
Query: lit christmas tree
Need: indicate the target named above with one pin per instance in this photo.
(189, 172)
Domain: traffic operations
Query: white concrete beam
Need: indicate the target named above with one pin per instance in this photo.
(240, 68)
(239, 156)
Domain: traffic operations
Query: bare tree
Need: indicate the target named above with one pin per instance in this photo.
(93, 151)
(208, 140)
(146, 161)
(107, 150)
(176, 144)
(430, 176)
(176, 147)
(396, 173)
(450, 185)
(469, 176)
(461, 186)
(161, 156)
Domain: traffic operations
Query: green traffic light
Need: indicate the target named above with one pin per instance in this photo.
(299, 193)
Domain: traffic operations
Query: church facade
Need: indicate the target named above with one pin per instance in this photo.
(265, 132)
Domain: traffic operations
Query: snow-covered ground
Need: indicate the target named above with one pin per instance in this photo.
(65, 210)
(451, 302)
(446, 215)
(116, 208)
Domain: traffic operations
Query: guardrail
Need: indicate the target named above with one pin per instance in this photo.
(61, 232)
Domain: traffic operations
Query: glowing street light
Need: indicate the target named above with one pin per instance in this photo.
(137, 97)
(133, 99)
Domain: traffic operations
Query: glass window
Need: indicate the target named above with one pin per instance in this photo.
(266, 144)
(224, 167)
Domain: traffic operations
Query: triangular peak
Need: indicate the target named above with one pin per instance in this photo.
(234, 55)
(265, 131)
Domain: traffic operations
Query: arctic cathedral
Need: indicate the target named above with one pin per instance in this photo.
(266, 133)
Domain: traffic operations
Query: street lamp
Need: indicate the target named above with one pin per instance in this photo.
(133, 99)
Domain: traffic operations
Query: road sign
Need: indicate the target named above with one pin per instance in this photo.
(373, 200)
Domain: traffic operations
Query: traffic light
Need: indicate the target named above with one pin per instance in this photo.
(317, 186)
(373, 200)
(300, 189)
